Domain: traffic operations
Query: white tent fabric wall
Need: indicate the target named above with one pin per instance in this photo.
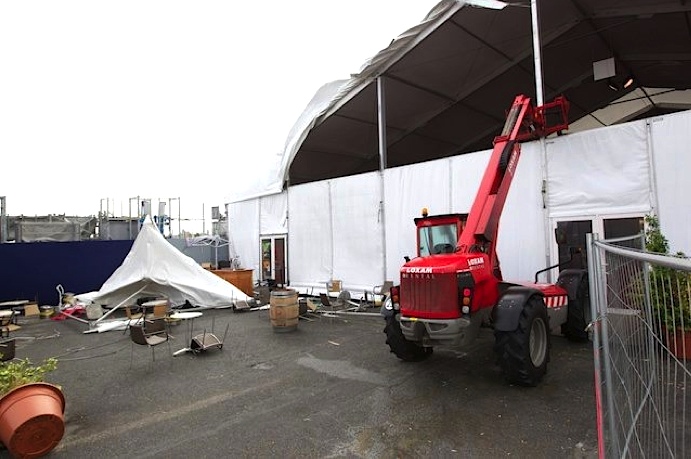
(603, 171)
(407, 190)
(243, 232)
(671, 136)
(449, 186)
(310, 251)
(600, 172)
(273, 218)
(521, 245)
(466, 175)
(357, 231)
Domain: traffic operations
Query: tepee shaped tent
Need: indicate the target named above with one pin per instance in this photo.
(154, 267)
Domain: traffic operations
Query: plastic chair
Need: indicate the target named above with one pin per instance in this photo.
(131, 315)
(6, 323)
(160, 311)
(208, 340)
(150, 333)
(382, 291)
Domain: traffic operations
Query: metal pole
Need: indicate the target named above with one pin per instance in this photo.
(170, 225)
(602, 361)
(3, 220)
(179, 217)
(539, 100)
(129, 218)
(593, 277)
(381, 120)
(539, 89)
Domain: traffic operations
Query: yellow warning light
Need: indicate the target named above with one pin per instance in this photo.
(425, 212)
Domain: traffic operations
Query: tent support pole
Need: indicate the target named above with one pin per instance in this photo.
(539, 100)
(121, 303)
(381, 121)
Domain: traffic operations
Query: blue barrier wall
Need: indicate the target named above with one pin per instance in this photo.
(32, 271)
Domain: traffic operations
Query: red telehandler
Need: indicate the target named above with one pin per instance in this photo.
(454, 285)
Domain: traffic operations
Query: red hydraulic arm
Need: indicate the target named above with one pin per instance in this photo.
(523, 122)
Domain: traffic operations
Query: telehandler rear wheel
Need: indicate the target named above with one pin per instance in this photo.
(404, 349)
(578, 314)
(523, 353)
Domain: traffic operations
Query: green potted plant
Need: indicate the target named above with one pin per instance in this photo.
(31, 410)
(670, 294)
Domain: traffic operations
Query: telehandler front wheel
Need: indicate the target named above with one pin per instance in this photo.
(404, 349)
(523, 353)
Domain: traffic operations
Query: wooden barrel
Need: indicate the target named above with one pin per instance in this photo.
(283, 310)
(46, 311)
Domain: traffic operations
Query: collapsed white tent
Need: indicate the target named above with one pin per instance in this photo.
(153, 267)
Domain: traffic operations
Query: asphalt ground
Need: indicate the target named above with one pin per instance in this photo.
(329, 389)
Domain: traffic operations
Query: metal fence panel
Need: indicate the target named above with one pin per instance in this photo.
(641, 301)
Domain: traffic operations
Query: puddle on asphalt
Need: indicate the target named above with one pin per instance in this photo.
(342, 369)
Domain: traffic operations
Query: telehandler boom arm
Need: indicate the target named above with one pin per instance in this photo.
(523, 122)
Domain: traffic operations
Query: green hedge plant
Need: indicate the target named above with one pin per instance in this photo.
(18, 372)
(669, 288)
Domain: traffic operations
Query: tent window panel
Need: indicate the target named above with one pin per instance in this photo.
(573, 247)
(267, 259)
(622, 227)
(274, 265)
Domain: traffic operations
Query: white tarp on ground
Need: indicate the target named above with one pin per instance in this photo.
(153, 267)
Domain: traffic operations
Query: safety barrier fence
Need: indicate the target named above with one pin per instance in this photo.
(640, 309)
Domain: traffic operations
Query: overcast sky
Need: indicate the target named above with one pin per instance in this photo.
(102, 102)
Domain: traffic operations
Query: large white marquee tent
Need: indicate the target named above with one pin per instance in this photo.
(413, 129)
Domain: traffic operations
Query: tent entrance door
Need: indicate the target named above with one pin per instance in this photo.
(274, 257)
(609, 226)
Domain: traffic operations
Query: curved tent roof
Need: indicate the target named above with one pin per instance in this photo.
(449, 80)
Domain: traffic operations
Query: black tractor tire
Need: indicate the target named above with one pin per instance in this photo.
(404, 349)
(578, 314)
(523, 353)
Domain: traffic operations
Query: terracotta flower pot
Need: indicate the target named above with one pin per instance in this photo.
(679, 343)
(32, 419)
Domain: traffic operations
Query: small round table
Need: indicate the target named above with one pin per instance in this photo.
(188, 316)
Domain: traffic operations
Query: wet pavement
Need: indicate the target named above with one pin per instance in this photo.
(329, 389)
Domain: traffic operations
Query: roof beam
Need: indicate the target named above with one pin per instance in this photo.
(480, 82)
(642, 11)
(656, 57)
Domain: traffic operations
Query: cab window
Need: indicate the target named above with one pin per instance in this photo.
(435, 240)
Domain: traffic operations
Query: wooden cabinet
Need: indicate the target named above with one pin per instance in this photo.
(241, 278)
